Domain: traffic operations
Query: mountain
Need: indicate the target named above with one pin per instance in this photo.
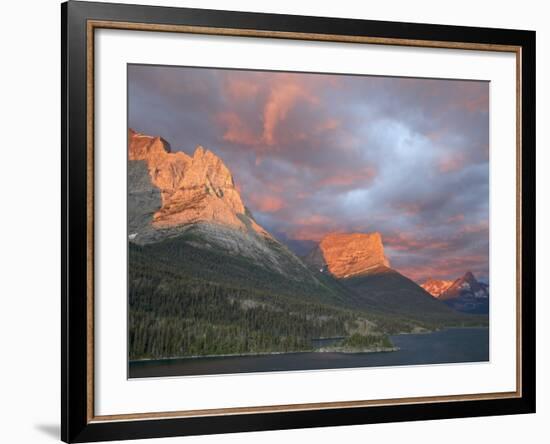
(436, 286)
(358, 262)
(174, 195)
(347, 254)
(467, 294)
(205, 278)
(198, 188)
(385, 290)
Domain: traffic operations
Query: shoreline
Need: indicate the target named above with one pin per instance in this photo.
(241, 355)
(327, 349)
(435, 330)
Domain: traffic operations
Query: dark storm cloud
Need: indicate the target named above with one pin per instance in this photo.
(319, 153)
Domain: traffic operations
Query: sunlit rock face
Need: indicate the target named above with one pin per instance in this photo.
(467, 294)
(466, 286)
(349, 254)
(198, 188)
(172, 195)
(436, 286)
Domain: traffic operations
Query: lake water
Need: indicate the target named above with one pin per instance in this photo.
(451, 345)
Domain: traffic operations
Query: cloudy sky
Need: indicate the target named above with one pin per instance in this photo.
(318, 153)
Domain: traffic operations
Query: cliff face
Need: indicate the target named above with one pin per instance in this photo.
(465, 294)
(172, 195)
(349, 254)
(198, 188)
(436, 286)
(358, 261)
(466, 286)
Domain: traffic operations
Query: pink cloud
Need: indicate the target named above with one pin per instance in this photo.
(455, 218)
(445, 268)
(266, 203)
(438, 134)
(235, 129)
(451, 163)
(312, 227)
(257, 109)
(328, 125)
(275, 187)
(349, 178)
(283, 96)
(274, 96)
(473, 96)
(303, 194)
(313, 219)
(475, 228)
(238, 89)
(309, 233)
(407, 242)
(473, 104)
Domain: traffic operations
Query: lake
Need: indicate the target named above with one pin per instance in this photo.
(452, 345)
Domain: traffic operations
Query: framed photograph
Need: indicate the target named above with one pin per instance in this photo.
(275, 221)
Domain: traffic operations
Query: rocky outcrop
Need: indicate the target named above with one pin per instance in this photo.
(436, 286)
(144, 200)
(349, 254)
(466, 285)
(467, 294)
(165, 168)
(358, 262)
(194, 198)
(198, 188)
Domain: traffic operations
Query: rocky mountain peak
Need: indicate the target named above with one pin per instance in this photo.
(467, 294)
(203, 154)
(349, 254)
(199, 151)
(467, 280)
(143, 147)
(208, 169)
(198, 188)
(436, 286)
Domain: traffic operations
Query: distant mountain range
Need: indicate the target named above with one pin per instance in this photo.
(206, 278)
(465, 294)
(358, 261)
(436, 286)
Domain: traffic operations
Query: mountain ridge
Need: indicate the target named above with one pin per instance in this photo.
(436, 286)
(348, 254)
(197, 188)
(358, 261)
(177, 196)
(206, 278)
(465, 294)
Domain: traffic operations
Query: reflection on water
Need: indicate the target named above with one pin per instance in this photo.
(452, 345)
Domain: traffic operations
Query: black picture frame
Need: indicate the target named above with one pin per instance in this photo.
(76, 423)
